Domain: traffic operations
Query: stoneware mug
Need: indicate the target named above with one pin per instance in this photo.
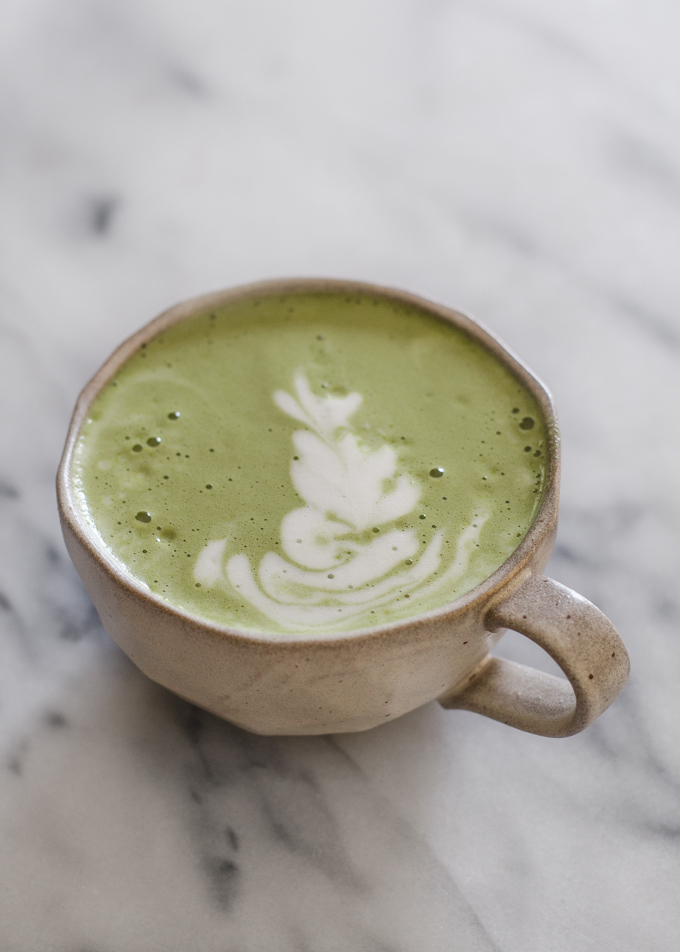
(318, 684)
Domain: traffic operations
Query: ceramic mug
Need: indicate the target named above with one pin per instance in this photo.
(317, 683)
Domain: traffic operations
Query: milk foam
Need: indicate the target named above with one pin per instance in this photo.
(331, 571)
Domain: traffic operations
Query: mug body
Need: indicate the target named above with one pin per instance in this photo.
(306, 683)
(297, 685)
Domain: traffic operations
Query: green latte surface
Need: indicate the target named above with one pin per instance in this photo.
(311, 462)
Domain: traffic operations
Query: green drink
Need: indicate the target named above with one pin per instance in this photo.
(311, 461)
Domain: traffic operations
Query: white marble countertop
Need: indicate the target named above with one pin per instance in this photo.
(520, 160)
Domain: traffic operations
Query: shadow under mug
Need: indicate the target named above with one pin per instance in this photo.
(318, 684)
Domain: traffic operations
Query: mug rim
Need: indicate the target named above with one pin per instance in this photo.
(515, 565)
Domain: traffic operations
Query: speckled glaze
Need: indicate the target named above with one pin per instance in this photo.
(316, 684)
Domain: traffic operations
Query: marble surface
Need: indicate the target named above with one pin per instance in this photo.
(517, 159)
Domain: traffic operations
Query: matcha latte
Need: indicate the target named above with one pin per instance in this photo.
(311, 461)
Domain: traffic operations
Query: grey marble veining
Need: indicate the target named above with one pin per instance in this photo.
(517, 159)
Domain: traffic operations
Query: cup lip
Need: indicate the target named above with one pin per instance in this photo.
(515, 565)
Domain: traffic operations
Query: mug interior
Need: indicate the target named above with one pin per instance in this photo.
(541, 527)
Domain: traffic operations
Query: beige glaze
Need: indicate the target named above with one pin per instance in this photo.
(317, 684)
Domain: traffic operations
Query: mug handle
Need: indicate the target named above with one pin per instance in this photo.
(576, 634)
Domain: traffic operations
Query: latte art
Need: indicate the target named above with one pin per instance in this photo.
(331, 569)
(310, 462)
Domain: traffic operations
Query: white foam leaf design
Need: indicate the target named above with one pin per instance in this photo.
(331, 571)
(323, 414)
(208, 568)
